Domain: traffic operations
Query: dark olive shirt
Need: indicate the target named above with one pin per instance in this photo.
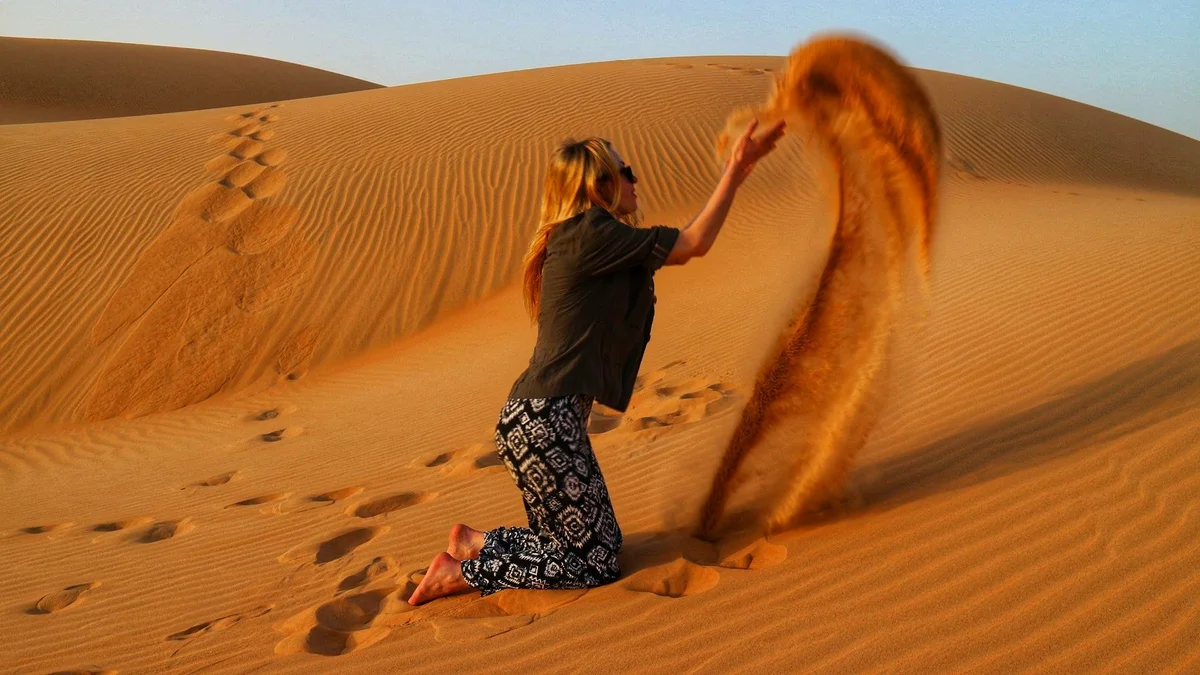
(596, 310)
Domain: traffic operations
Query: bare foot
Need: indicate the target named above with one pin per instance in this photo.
(443, 578)
(465, 542)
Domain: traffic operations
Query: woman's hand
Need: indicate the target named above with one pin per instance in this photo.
(698, 236)
(748, 150)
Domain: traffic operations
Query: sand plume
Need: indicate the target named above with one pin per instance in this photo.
(818, 395)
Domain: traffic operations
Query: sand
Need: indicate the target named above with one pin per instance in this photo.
(44, 80)
(330, 284)
(875, 144)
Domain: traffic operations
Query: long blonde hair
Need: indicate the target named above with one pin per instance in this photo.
(581, 174)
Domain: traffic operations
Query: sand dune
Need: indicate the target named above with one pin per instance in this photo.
(338, 270)
(55, 80)
(401, 204)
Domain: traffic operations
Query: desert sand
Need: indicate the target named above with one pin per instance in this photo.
(53, 80)
(251, 359)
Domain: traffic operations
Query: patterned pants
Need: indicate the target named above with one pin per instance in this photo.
(573, 538)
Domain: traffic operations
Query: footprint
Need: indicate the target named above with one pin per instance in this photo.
(268, 183)
(335, 548)
(269, 117)
(347, 624)
(46, 529)
(118, 525)
(334, 496)
(277, 411)
(213, 202)
(219, 479)
(603, 420)
(463, 462)
(246, 148)
(661, 400)
(295, 354)
(383, 567)
(387, 505)
(242, 174)
(745, 553)
(280, 434)
(221, 164)
(674, 580)
(247, 128)
(439, 460)
(265, 499)
(353, 612)
(325, 642)
(491, 459)
(362, 617)
(167, 529)
(262, 134)
(219, 624)
(272, 157)
(60, 600)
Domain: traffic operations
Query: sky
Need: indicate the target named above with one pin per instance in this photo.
(1141, 59)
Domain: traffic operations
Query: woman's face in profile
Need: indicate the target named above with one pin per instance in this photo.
(628, 203)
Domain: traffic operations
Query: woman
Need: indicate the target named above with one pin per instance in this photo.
(588, 281)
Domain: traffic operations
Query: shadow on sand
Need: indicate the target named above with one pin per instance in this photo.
(1125, 401)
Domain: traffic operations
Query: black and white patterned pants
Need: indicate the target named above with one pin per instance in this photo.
(573, 538)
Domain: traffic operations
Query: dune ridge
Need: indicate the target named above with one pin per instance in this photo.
(44, 80)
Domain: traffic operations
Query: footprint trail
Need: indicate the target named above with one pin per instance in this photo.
(198, 305)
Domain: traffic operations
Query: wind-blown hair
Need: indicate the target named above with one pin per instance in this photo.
(581, 174)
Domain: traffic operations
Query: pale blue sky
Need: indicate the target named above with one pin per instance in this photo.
(1141, 59)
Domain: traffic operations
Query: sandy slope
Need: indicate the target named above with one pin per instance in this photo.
(51, 80)
(370, 213)
(1028, 501)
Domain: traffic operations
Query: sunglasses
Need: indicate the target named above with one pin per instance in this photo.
(627, 172)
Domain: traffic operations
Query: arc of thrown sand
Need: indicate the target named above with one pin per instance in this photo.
(877, 129)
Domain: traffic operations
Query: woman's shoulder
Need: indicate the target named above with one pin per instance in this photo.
(596, 212)
(582, 224)
(598, 223)
(597, 215)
